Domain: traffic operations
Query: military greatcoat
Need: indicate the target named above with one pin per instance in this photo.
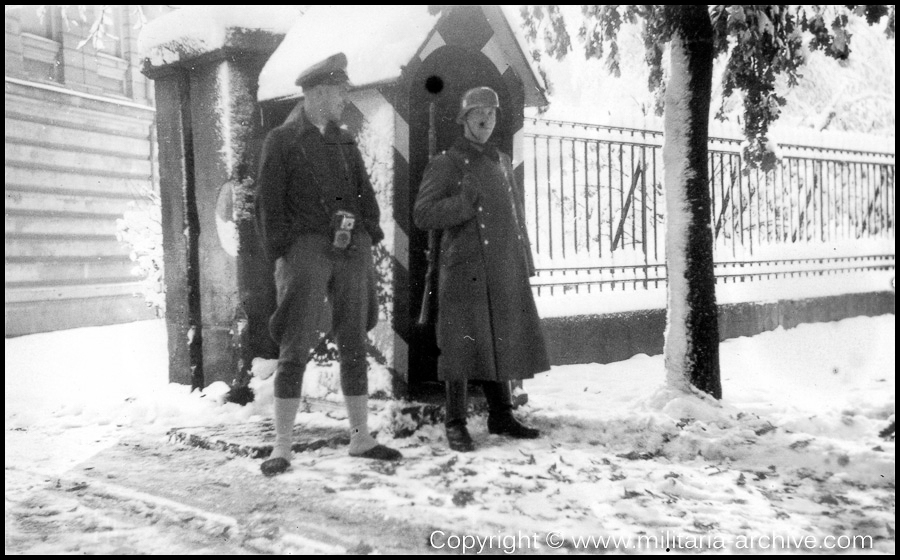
(487, 325)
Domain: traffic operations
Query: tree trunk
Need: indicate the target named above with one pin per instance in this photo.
(692, 330)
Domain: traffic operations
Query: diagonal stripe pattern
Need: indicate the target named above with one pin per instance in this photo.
(386, 109)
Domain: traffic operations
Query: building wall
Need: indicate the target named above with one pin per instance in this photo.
(79, 153)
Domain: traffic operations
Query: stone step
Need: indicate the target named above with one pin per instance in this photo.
(255, 439)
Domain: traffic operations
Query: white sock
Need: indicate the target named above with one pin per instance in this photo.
(358, 414)
(285, 414)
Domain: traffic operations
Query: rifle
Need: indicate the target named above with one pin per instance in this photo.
(428, 311)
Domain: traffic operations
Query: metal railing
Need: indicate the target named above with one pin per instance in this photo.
(632, 277)
(595, 207)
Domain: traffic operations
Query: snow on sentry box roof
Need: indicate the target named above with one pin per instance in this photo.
(378, 41)
(203, 29)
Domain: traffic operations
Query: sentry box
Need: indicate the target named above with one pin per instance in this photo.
(223, 79)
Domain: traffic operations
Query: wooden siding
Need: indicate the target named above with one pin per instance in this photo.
(73, 164)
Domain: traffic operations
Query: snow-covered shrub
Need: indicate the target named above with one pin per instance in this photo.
(397, 418)
(383, 279)
(141, 229)
(326, 351)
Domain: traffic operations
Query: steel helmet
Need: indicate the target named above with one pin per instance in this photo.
(477, 97)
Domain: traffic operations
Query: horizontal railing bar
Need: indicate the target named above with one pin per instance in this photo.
(650, 279)
(598, 282)
(593, 140)
(803, 259)
(720, 263)
(819, 271)
(719, 139)
(594, 126)
(621, 267)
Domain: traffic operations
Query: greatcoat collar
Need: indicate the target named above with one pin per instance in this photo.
(472, 150)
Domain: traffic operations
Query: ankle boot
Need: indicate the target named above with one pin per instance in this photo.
(458, 438)
(502, 422)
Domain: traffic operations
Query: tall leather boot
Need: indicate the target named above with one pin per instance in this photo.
(500, 417)
(458, 438)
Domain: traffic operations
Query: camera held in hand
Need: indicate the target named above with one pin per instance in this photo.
(342, 224)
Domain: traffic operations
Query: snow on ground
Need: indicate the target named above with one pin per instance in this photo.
(791, 452)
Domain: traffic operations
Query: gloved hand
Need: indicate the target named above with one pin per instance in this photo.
(470, 189)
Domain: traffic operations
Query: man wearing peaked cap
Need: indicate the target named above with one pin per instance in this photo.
(317, 216)
(331, 71)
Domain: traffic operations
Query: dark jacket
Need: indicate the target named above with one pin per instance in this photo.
(487, 326)
(304, 177)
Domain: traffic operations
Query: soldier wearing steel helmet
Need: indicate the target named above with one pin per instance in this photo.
(318, 219)
(488, 329)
